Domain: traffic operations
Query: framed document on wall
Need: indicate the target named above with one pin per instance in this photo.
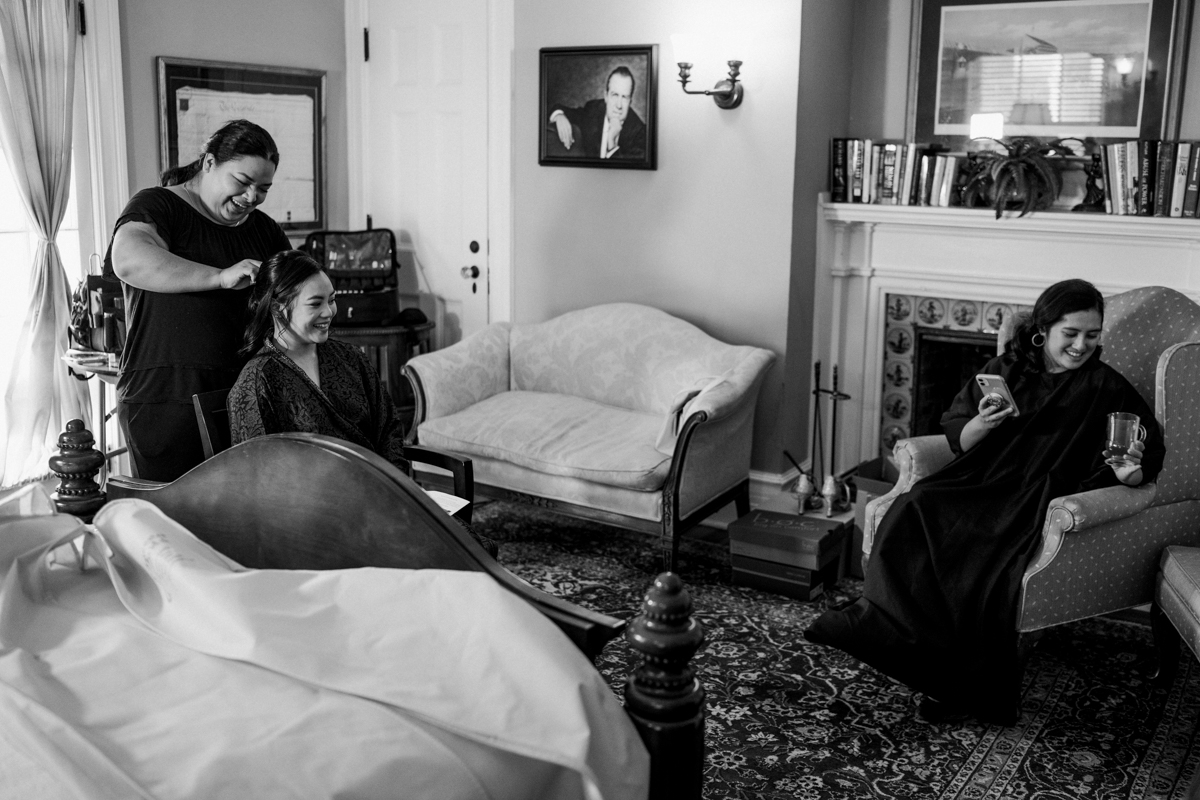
(195, 98)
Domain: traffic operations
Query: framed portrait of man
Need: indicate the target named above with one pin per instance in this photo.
(597, 107)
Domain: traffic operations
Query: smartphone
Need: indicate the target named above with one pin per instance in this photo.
(995, 384)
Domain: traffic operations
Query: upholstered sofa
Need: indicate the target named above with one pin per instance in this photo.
(618, 412)
(1101, 549)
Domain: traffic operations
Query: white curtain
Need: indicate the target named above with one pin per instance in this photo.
(37, 88)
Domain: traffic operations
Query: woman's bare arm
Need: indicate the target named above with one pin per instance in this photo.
(140, 258)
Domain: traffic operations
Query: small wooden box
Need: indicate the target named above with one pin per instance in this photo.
(807, 542)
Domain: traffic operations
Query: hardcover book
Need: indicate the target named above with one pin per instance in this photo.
(1132, 177)
(887, 173)
(1147, 150)
(1164, 178)
(838, 190)
(1183, 154)
(1192, 193)
(856, 167)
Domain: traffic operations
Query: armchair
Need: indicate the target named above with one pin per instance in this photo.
(1100, 549)
(618, 412)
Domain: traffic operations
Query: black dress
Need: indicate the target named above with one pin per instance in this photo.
(182, 344)
(940, 596)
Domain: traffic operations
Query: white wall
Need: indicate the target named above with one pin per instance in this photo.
(284, 33)
(708, 236)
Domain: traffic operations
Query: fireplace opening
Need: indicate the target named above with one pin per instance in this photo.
(943, 361)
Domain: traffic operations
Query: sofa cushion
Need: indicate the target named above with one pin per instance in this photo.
(559, 435)
(619, 354)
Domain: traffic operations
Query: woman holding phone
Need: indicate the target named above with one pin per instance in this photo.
(938, 610)
(187, 252)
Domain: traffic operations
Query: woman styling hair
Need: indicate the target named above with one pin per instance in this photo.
(187, 252)
(298, 379)
(939, 603)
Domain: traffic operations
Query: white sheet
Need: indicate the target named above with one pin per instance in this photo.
(173, 673)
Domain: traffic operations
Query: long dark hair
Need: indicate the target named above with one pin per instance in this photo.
(274, 291)
(236, 139)
(1064, 297)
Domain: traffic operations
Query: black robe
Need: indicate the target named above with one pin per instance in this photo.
(940, 596)
(273, 395)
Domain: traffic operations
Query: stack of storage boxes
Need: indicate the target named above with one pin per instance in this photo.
(790, 554)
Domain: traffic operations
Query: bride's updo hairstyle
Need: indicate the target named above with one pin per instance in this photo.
(274, 293)
(1064, 297)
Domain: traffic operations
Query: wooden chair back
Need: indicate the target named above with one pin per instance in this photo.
(213, 418)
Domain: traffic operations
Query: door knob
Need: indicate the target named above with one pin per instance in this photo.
(470, 273)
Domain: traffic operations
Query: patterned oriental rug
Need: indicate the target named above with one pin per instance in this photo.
(789, 719)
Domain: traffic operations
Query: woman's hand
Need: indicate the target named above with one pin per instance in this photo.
(1128, 468)
(240, 275)
(990, 416)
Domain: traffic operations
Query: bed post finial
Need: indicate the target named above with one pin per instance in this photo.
(663, 696)
(76, 466)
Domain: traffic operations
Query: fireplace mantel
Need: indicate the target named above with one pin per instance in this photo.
(865, 252)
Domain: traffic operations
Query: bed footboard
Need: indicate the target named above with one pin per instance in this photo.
(663, 696)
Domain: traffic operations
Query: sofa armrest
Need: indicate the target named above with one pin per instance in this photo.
(461, 375)
(1076, 513)
(916, 458)
(736, 387)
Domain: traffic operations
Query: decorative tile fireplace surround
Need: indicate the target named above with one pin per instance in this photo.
(965, 261)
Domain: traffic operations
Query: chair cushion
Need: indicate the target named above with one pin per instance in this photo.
(559, 435)
(1178, 593)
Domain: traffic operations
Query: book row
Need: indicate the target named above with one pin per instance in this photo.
(1151, 178)
(892, 173)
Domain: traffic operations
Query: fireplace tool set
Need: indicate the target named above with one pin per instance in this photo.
(835, 495)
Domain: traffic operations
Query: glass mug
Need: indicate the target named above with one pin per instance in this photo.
(1123, 430)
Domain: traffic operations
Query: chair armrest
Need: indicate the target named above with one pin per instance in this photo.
(461, 375)
(916, 458)
(460, 468)
(1079, 512)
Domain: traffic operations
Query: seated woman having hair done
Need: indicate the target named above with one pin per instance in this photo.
(939, 603)
(298, 379)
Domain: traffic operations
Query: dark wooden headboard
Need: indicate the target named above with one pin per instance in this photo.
(304, 501)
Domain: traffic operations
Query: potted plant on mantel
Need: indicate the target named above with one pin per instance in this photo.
(1025, 176)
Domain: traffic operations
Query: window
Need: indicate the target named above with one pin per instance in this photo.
(18, 243)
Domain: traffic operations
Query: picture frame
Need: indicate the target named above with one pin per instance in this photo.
(576, 83)
(196, 98)
(1100, 70)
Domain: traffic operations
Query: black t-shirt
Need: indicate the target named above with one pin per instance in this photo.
(181, 344)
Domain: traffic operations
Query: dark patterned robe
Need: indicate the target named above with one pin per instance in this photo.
(940, 596)
(273, 395)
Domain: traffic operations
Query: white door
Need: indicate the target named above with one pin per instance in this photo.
(425, 146)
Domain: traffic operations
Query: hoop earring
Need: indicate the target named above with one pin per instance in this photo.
(1034, 339)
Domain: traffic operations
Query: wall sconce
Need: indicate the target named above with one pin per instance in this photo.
(726, 94)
